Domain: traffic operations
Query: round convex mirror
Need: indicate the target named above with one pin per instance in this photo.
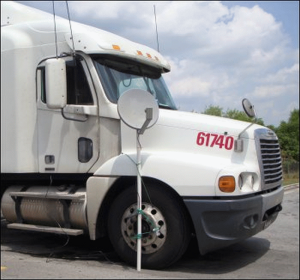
(248, 108)
(136, 106)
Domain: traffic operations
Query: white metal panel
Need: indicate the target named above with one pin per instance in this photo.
(56, 83)
(18, 112)
(14, 13)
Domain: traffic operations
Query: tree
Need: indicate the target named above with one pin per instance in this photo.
(272, 127)
(241, 116)
(213, 111)
(231, 114)
(288, 135)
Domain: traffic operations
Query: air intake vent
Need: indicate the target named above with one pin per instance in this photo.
(270, 158)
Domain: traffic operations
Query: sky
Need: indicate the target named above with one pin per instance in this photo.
(219, 51)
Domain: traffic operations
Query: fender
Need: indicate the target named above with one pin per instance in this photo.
(199, 176)
(197, 171)
(96, 190)
(161, 166)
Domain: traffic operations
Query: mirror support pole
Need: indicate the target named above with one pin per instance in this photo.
(139, 204)
(149, 116)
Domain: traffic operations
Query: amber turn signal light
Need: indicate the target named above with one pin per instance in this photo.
(227, 184)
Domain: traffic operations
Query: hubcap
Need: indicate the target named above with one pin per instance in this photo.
(154, 228)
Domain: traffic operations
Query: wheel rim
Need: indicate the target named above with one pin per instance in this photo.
(154, 228)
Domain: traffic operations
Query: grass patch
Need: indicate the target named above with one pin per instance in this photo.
(291, 178)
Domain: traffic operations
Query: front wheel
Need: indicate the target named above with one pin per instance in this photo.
(165, 227)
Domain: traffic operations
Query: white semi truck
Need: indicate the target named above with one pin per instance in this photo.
(69, 163)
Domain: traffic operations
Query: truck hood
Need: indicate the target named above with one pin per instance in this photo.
(178, 131)
(205, 123)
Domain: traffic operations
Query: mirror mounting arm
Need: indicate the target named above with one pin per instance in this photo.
(149, 117)
(250, 112)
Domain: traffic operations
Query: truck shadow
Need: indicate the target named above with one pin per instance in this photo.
(57, 246)
(225, 260)
(51, 246)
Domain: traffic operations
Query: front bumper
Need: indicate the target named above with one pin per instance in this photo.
(219, 223)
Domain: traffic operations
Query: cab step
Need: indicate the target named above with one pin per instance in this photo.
(48, 196)
(39, 228)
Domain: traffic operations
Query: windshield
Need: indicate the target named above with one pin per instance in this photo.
(118, 76)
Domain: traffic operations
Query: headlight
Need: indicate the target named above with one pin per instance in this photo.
(248, 182)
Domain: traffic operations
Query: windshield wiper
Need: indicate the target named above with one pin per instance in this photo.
(165, 106)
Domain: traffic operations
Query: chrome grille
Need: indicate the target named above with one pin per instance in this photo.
(270, 158)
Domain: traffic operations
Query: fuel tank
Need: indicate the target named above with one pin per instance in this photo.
(63, 206)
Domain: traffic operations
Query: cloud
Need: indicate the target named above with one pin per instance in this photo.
(285, 75)
(269, 91)
(195, 79)
(186, 87)
(188, 18)
(103, 10)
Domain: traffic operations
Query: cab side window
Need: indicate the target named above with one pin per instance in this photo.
(78, 90)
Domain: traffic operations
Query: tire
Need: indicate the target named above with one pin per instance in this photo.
(165, 227)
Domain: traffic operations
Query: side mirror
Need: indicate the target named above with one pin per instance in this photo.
(138, 109)
(250, 112)
(248, 108)
(56, 83)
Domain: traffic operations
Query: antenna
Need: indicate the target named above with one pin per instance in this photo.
(70, 28)
(156, 29)
(55, 29)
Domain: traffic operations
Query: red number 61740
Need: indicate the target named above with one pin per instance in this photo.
(211, 140)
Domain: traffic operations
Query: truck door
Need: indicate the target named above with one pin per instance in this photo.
(68, 138)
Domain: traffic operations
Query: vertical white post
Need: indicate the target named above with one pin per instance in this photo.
(139, 204)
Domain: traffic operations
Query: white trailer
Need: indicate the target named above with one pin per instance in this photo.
(69, 163)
